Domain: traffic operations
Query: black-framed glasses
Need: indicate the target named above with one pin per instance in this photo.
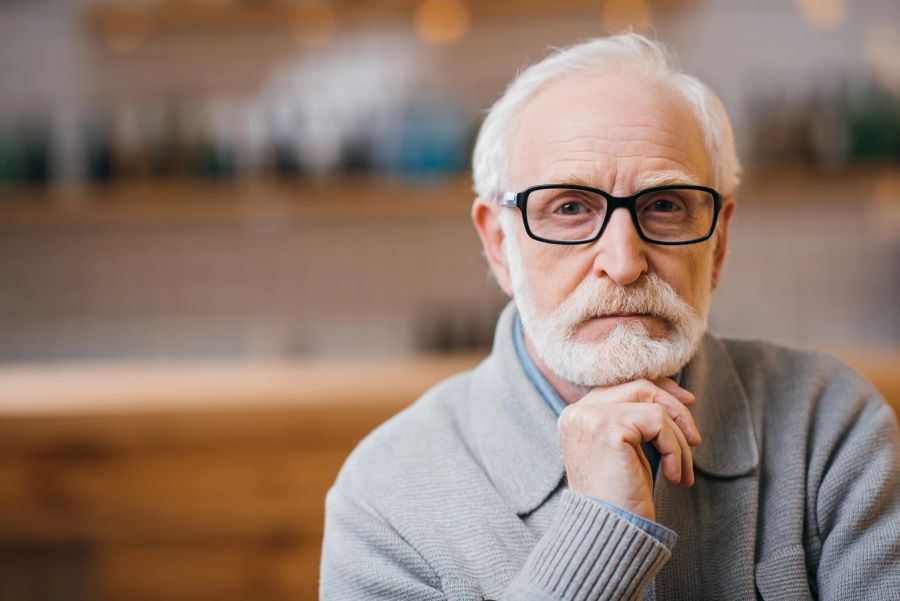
(572, 214)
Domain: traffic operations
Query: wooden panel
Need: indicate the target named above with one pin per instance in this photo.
(47, 573)
(167, 496)
(91, 435)
(223, 570)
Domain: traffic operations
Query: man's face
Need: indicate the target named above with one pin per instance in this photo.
(620, 133)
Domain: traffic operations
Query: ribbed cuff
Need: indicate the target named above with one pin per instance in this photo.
(589, 552)
(654, 529)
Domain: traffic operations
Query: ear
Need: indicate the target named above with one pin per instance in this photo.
(721, 249)
(486, 217)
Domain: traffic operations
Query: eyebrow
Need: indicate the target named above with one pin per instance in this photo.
(667, 178)
(650, 180)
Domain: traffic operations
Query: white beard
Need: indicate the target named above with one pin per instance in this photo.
(628, 352)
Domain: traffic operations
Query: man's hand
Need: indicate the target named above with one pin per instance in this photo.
(601, 434)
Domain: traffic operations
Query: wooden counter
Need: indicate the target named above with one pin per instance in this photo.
(172, 481)
(133, 481)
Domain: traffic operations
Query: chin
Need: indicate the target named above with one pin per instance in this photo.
(626, 354)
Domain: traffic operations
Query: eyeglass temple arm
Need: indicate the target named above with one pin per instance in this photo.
(510, 199)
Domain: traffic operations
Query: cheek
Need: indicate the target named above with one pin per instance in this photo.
(553, 272)
(689, 271)
(701, 281)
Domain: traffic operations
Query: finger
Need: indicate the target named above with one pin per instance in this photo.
(682, 394)
(686, 398)
(680, 415)
(675, 408)
(687, 467)
(636, 391)
(657, 428)
(677, 462)
(644, 391)
(671, 459)
(685, 458)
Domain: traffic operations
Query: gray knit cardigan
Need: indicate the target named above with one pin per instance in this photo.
(463, 494)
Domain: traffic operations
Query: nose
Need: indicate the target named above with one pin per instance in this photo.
(621, 254)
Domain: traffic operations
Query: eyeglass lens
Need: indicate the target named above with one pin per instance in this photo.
(568, 215)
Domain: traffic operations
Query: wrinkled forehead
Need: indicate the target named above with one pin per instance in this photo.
(616, 130)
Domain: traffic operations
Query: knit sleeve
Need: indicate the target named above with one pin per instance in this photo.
(365, 559)
(589, 552)
(858, 505)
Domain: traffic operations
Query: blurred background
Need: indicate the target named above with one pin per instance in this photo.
(234, 236)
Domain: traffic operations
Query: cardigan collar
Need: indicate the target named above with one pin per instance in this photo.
(514, 436)
(722, 413)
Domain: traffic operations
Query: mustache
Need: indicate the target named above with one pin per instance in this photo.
(649, 295)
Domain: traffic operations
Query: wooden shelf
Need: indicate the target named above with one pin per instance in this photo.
(372, 196)
(261, 200)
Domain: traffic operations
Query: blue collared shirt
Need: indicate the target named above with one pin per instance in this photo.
(546, 390)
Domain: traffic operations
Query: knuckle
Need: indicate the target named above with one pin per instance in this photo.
(620, 435)
(571, 418)
(596, 422)
(564, 423)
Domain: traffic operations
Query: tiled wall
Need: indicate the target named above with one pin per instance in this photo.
(810, 263)
(231, 289)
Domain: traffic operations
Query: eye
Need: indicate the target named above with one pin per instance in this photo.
(663, 205)
(571, 208)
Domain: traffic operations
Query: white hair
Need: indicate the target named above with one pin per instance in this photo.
(631, 51)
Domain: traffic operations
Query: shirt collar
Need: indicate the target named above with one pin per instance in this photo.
(543, 386)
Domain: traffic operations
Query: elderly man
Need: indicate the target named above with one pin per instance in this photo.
(609, 448)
